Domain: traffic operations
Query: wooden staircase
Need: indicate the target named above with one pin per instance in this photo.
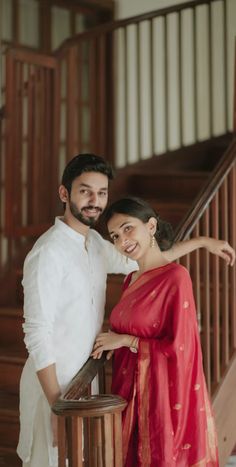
(12, 358)
(172, 194)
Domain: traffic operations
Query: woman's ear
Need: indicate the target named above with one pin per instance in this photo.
(63, 193)
(152, 224)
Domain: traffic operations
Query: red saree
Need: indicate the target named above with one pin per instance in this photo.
(168, 420)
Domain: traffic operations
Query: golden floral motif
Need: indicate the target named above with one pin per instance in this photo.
(186, 304)
(177, 406)
(156, 324)
(186, 446)
(196, 387)
(181, 347)
(153, 294)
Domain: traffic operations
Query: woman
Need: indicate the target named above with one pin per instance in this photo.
(158, 361)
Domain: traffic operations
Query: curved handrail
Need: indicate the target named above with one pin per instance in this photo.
(112, 25)
(75, 397)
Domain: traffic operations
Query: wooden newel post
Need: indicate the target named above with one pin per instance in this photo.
(89, 431)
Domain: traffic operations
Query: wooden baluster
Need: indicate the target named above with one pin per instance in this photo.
(118, 440)
(108, 432)
(232, 239)
(93, 94)
(61, 442)
(195, 275)
(215, 293)
(206, 339)
(96, 445)
(76, 442)
(70, 102)
(224, 277)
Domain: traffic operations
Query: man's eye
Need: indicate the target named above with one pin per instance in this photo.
(103, 193)
(83, 191)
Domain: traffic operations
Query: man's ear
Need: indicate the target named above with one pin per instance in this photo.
(63, 193)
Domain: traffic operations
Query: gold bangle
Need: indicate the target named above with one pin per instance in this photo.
(134, 345)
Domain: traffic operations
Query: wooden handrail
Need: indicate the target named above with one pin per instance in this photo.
(207, 193)
(113, 25)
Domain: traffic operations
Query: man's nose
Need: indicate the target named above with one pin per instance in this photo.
(94, 199)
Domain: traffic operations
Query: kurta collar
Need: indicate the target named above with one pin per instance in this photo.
(59, 224)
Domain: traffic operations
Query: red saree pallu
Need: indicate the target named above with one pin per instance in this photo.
(168, 420)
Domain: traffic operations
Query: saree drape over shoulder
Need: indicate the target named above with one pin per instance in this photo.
(168, 421)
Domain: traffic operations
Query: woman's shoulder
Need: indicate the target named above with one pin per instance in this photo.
(178, 272)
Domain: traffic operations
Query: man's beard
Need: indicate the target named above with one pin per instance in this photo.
(89, 221)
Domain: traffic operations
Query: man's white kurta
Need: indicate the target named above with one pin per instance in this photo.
(64, 296)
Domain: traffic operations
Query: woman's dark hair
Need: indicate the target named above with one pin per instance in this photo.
(136, 207)
(84, 163)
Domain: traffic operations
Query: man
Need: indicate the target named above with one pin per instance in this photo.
(64, 295)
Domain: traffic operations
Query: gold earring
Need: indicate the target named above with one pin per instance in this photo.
(152, 241)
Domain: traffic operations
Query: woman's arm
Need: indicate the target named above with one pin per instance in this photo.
(217, 247)
(111, 340)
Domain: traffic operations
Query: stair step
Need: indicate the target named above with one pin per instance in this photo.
(172, 212)
(12, 361)
(9, 429)
(9, 458)
(180, 185)
(11, 332)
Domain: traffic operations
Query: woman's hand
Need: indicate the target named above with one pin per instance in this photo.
(220, 248)
(109, 341)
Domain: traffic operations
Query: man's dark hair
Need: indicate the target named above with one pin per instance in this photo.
(85, 163)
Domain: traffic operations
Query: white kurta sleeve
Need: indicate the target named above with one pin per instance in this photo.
(116, 262)
(42, 283)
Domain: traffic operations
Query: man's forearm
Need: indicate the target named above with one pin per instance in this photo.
(48, 380)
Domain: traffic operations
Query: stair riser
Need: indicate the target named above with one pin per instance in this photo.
(11, 332)
(9, 459)
(173, 187)
(9, 432)
(10, 374)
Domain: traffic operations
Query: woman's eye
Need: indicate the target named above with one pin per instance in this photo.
(114, 238)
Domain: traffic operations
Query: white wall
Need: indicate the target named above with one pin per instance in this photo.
(187, 68)
(127, 8)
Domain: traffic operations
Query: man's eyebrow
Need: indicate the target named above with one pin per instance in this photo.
(89, 186)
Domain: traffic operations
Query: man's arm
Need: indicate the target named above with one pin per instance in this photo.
(217, 247)
(48, 380)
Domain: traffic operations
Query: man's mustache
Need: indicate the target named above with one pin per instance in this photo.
(91, 207)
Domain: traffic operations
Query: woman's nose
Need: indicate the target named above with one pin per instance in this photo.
(124, 240)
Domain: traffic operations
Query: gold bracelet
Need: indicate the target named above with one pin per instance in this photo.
(134, 345)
